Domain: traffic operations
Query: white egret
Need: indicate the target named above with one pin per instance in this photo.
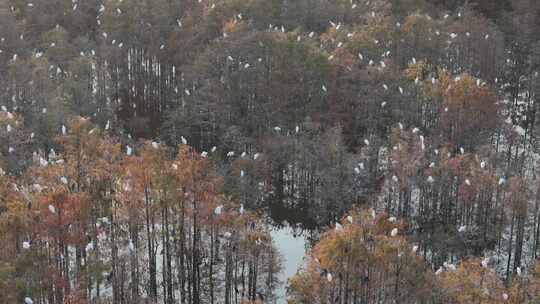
(218, 210)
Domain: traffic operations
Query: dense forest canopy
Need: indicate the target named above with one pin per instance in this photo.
(148, 147)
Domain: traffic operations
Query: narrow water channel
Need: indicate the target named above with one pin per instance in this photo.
(292, 246)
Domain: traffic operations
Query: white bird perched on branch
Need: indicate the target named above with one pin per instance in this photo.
(230, 154)
(277, 129)
(350, 219)
(329, 277)
(392, 219)
(214, 148)
(394, 232)
(462, 228)
(184, 140)
(395, 178)
(28, 300)
(502, 180)
(242, 210)
(430, 179)
(26, 245)
(89, 246)
(218, 210)
(339, 227)
(204, 154)
(468, 182)
(129, 150)
(52, 209)
(366, 142)
(155, 145)
(449, 266)
(415, 248)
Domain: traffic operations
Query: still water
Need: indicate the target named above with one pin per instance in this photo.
(293, 247)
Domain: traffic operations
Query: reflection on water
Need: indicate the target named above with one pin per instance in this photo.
(293, 232)
(292, 246)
